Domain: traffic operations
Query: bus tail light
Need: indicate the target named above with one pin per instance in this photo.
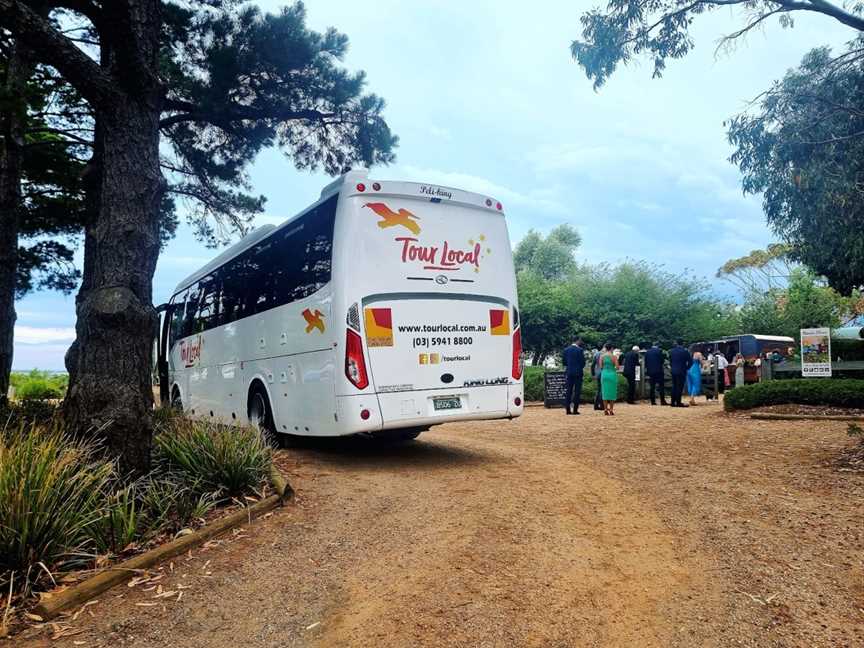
(517, 354)
(355, 365)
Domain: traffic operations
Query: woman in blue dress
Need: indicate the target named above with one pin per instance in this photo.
(608, 380)
(694, 378)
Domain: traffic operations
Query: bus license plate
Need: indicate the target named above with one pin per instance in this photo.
(446, 403)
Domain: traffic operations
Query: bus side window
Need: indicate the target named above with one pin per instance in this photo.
(259, 278)
(230, 293)
(194, 296)
(178, 308)
(205, 315)
(305, 254)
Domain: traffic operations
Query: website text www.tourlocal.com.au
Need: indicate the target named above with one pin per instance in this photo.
(459, 340)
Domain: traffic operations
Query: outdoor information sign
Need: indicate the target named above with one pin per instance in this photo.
(554, 384)
(816, 353)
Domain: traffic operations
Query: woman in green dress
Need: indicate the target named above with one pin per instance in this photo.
(608, 380)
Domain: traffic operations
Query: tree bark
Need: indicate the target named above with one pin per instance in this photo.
(11, 144)
(113, 350)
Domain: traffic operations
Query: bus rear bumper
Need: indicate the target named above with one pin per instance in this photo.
(393, 410)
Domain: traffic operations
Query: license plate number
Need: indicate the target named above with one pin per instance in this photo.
(446, 403)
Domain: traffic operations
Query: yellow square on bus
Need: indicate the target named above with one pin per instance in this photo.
(379, 327)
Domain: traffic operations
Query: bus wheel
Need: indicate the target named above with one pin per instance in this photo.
(176, 401)
(260, 413)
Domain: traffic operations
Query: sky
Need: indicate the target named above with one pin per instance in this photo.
(488, 99)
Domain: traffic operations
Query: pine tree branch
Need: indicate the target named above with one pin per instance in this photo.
(58, 51)
(223, 118)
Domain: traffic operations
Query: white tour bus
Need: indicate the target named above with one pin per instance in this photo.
(385, 307)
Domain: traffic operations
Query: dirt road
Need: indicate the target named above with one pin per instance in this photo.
(657, 527)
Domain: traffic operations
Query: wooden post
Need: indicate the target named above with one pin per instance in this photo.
(716, 372)
(642, 376)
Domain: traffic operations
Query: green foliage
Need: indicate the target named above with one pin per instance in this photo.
(803, 151)
(550, 258)
(626, 304)
(51, 499)
(532, 383)
(121, 521)
(39, 385)
(240, 80)
(839, 392)
(856, 432)
(172, 500)
(760, 270)
(804, 303)
(660, 30)
(548, 314)
(640, 303)
(223, 459)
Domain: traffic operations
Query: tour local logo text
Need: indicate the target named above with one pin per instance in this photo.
(190, 351)
(443, 256)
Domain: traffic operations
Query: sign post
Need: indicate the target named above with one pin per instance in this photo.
(816, 353)
(554, 384)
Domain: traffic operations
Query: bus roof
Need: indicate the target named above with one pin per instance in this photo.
(765, 338)
(354, 179)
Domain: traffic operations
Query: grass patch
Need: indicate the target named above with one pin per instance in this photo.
(841, 392)
(221, 459)
(51, 501)
(63, 505)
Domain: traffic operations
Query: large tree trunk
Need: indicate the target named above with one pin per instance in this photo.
(112, 388)
(11, 145)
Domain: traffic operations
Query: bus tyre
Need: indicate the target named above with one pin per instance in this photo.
(260, 413)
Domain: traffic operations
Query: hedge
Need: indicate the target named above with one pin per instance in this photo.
(533, 385)
(841, 392)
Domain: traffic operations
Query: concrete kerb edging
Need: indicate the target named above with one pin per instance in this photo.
(766, 416)
(52, 604)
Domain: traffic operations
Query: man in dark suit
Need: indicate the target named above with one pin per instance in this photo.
(574, 365)
(654, 369)
(631, 361)
(679, 362)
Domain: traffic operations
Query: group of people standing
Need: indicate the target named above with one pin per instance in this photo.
(685, 368)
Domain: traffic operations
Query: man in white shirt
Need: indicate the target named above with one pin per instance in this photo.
(722, 363)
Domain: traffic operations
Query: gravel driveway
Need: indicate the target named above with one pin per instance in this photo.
(656, 527)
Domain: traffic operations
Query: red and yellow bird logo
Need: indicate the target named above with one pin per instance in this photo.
(389, 218)
(313, 320)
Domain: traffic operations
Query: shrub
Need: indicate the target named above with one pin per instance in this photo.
(225, 459)
(533, 383)
(534, 386)
(815, 391)
(589, 388)
(27, 413)
(39, 385)
(51, 498)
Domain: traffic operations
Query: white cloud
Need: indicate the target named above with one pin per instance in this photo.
(537, 197)
(43, 335)
(440, 133)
